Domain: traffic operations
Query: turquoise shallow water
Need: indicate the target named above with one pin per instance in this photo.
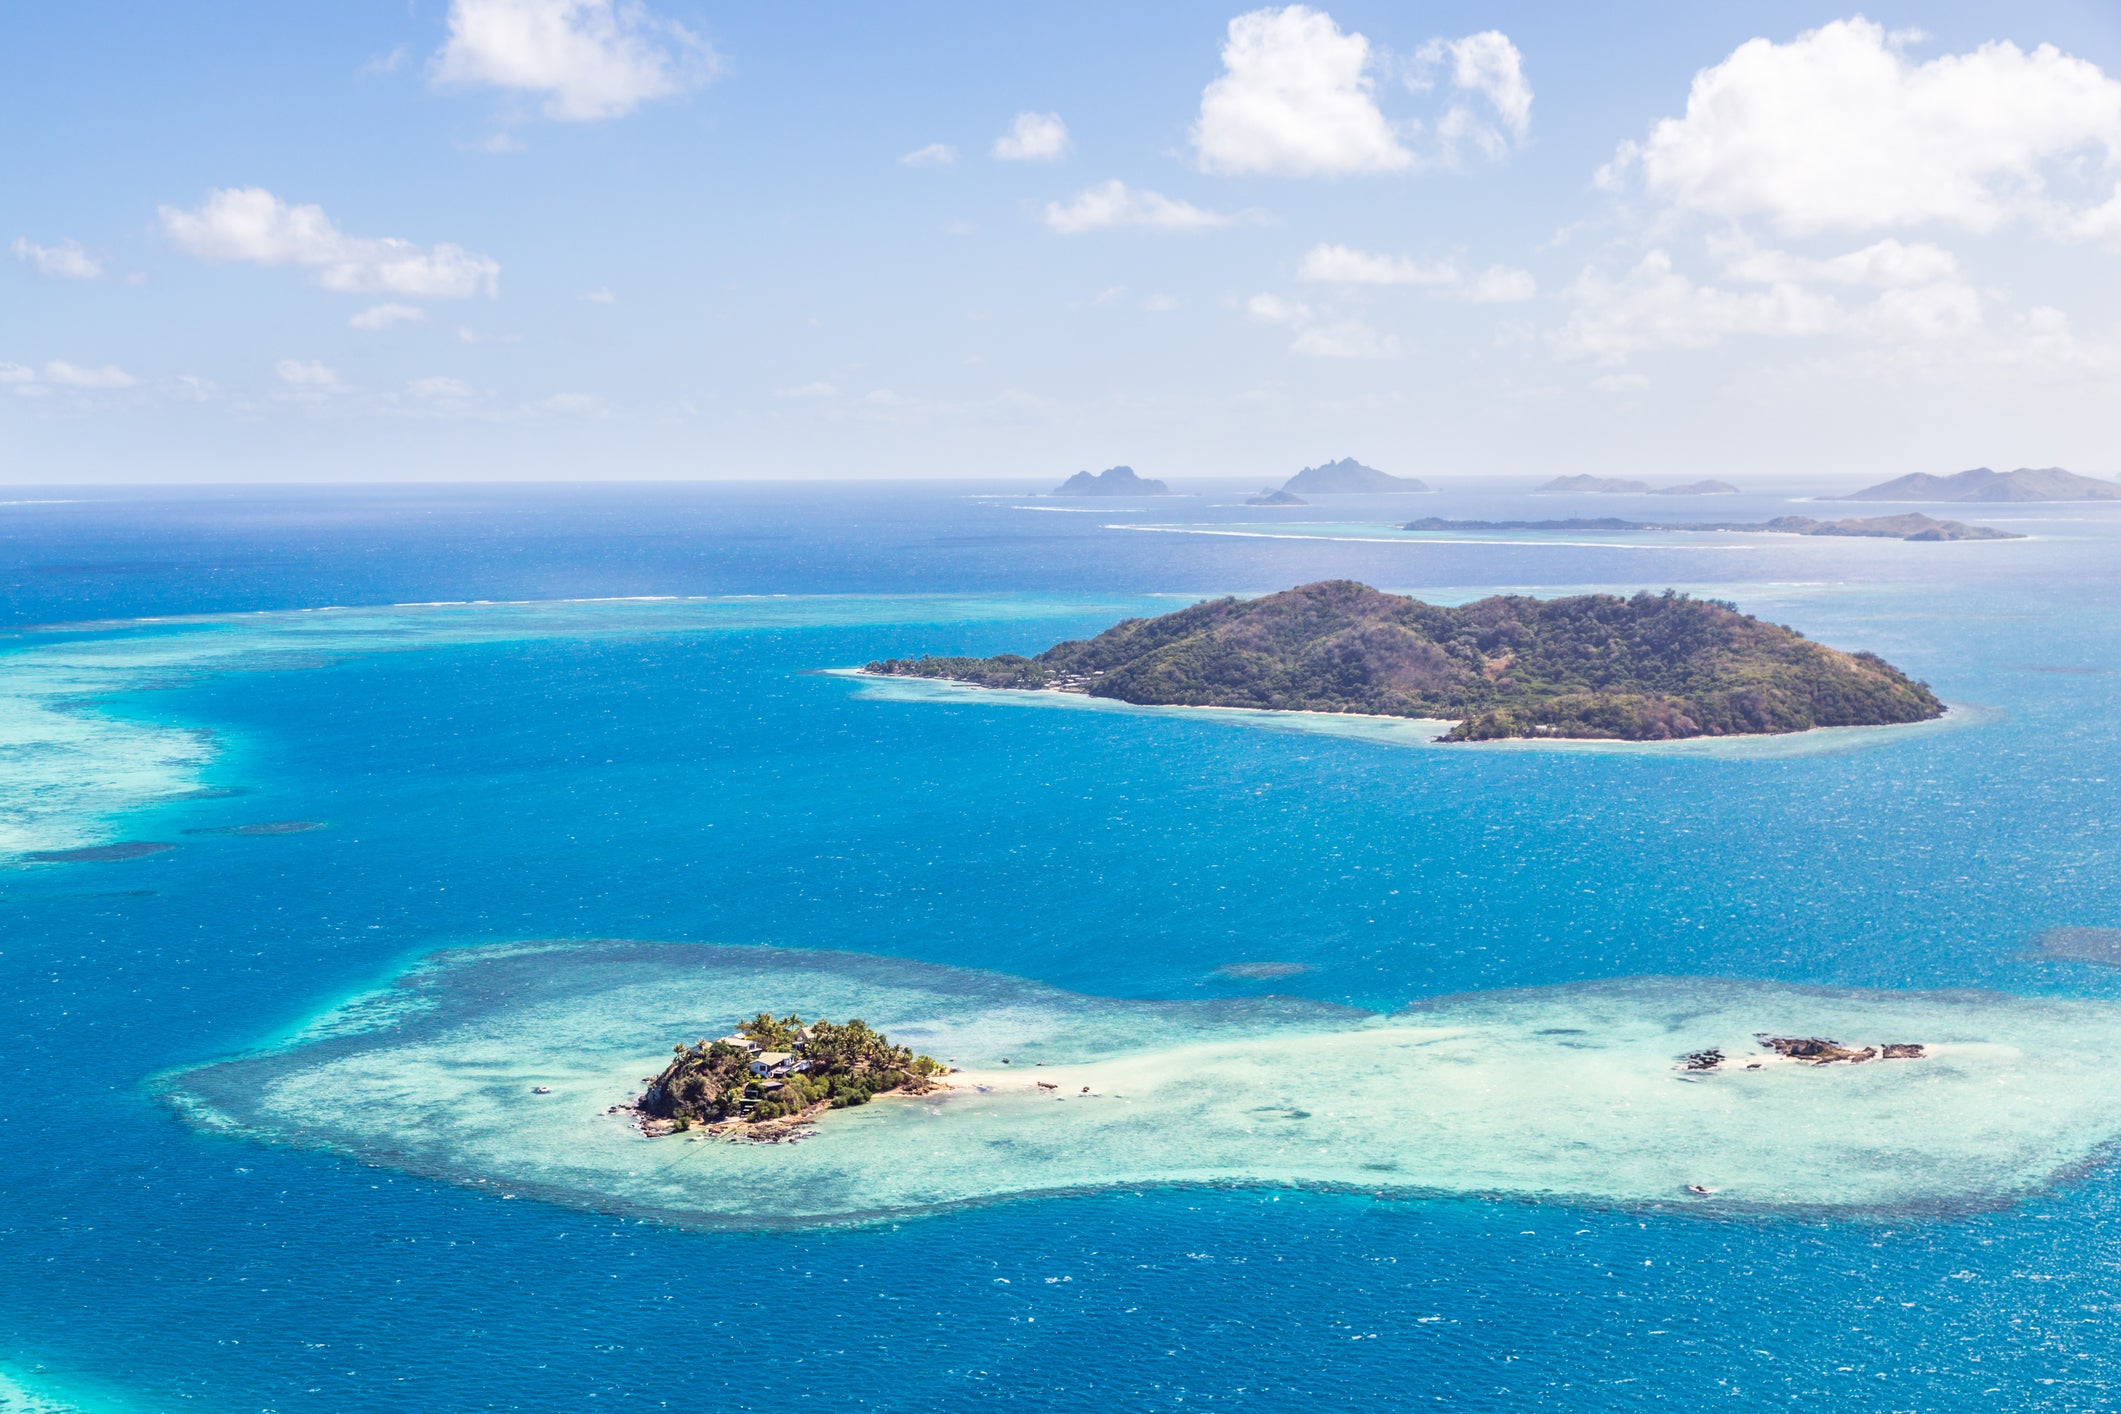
(682, 772)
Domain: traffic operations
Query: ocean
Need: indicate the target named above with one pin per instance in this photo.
(568, 766)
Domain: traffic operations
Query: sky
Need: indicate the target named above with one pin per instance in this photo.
(593, 239)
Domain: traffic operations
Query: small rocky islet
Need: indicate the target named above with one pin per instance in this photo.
(1805, 1050)
(1650, 667)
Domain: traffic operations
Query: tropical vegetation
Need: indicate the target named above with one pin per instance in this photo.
(1647, 667)
(826, 1065)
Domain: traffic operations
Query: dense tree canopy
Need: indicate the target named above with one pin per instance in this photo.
(1649, 667)
(711, 1081)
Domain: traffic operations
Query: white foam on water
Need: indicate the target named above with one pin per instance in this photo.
(1568, 1093)
(32, 1394)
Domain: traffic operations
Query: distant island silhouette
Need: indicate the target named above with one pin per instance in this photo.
(1913, 526)
(1272, 497)
(1112, 481)
(1348, 477)
(1613, 486)
(2050, 483)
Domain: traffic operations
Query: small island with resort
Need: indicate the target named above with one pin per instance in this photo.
(770, 1076)
(1651, 667)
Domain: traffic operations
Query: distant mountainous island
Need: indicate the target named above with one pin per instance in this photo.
(1112, 481)
(1348, 477)
(1651, 667)
(1913, 526)
(1272, 497)
(2049, 483)
(1612, 486)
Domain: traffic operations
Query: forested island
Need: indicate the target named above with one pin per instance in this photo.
(1349, 477)
(1914, 526)
(1650, 667)
(2027, 483)
(1112, 481)
(780, 1070)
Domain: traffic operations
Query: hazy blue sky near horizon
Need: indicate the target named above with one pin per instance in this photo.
(510, 239)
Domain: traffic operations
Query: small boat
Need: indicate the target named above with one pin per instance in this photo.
(1701, 1190)
(541, 1089)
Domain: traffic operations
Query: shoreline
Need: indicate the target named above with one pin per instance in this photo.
(1954, 714)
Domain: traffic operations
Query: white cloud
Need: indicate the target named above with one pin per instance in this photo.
(297, 373)
(1273, 309)
(1656, 307)
(68, 375)
(64, 261)
(1489, 65)
(1883, 264)
(587, 405)
(1160, 304)
(808, 390)
(590, 58)
(17, 373)
(1298, 98)
(1034, 137)
(1317, 338)
(383, 316)
(1344, 340)
(1486, 65)
(1620, 383)
(1500, 284)
(251, 225)
(1295, 99)
(1113, 203)
(600, 295)
(449, 389)
(935, 154)
(1344, 265)
(1838, 130)
(194, 389)
(378, 65)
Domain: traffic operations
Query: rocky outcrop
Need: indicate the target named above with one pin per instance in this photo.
(1806, 1050)
(1112, 481)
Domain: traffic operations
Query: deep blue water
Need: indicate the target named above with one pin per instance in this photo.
(709, 786)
